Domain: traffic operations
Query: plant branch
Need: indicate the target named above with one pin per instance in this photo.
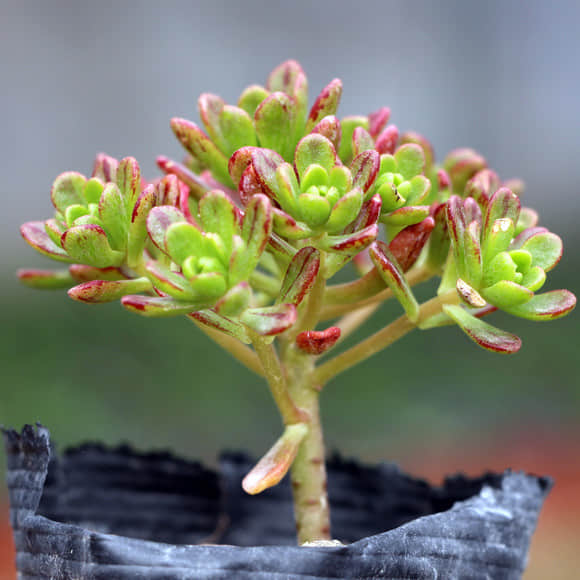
(276, 378)
(381, 339)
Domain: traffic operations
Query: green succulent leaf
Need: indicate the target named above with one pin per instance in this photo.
(224, 324)
(364, 169)
(505, 294)
(300, 276)
(410, 160)
(45, 279)
(68, 189)
(159, 307)
(235, 300)
(89, 245)
(348, 126)
(158, 222)
(270, 320)
(314, 149)
(251, 98)
(546, 249)
(274, 121)
(99, 291)
(138, 227)
(170, 282)
(483, 334)
(218, 215)
(129, 182)
(326, 103)
(113, 216)
(345, 211)
(546, 306)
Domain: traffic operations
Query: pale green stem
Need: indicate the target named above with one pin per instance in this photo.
(353, 320)
(381, 339)
(265, 283)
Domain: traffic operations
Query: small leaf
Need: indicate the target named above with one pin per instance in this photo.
(528, 219)
(168, 191)
(159, 307)
(169, 282)
(68, 189)
(345, 211)
(546, 249)
(362, 141)
(482, 186)
(469, 295)
(287, 227)
(408, 243)
(329, 127)
(129, 182)
(317, 342)
(378, 120)
(419, 190)
(138, 227)
(483, 334)
(113, 215)
(351, 244)
(235, 300)
(208, 286)
(274, 121)
(522, 237)
(418, 139)
(257, 225)
(502, 204)
(393, 276)
(498, 239)
(368, 215)
(364, 169)
(238, 129)
(88, 244)
(105, 168)
(300, 276)
(546, 306)
(202, 148)
(472, 252)
(251, 98)
(326, 104)
(348, 125)
(456, 227)
(158, 222)
(506, 294)
(45, 279)
(386, 142)
(210, 108)
(270, 320)
(410, 160)
(222, 323)
(82, 273)
(99, 291)
(265, 164)
(461, 165)
(439, 239)
(314, 149)
(501, 267)
(288, 188)
(196, 184)
(34, 233)
(218, 216)
(270, 470)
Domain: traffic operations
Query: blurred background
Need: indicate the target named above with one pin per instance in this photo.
(500, 76)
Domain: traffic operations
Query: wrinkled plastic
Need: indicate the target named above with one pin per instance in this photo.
(65, 510)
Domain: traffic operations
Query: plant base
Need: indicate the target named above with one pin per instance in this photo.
(114, 514)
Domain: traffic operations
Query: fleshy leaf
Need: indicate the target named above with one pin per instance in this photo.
(418, 139)
(265, 164)
(485, 335)
(83, 273)
(386, 142)
(377, 121)
(300, 276)
(45, 279)
(112, 214)
(345, 211)
(129, 182)
(316, 342)
(251, 98)
(364, 169)
(89, 245)
(270, 470)
(286, 226)
(348, 125)
(469, 295)
(472, 252)
(326, 104)
(288, 188)
(105, 168)
(270, 320)
(155, 307)
(546, 306)
(505, 294)
(329, 127)
(222, 323)
(196, 184)
(68, 189)
(439, 240)
(498, 238)
(502, 204)
(362, 141)
(314, 149)
(257, 225)
(410, 160)
(274, 121)
(482, 186)
(461, 165)
(351, 244)
(158, 222)
(406, 216)
(235, 300)
(218, 216)
(408, 243)
(138, 227)
(183, 240)
(99, 291)
(170, 282)
(546, 249)
(35, 234)
(393, 276)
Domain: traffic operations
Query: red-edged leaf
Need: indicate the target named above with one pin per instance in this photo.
(326, 103)
(387, 141)
(362, 141)
(364, 169)
(88, 244)
(249, 185)
(265, 164)
(439, 239)
(239, 161)
(300, 276)
(68, 189)
(369, 214)
(270, 320)
(274, 121)
(168, 190)
(317, 342)
(378, 120)
(270, 470)
(257, 224)
(158, 222)
(482, 186)
(408, 243)
(159, 307)
(351, 244)
(235, 300)
(456, 226)
(522, 237)
(196, 184)
(418, 139)
(281, 249)
(287, 227)
(546, 306)
(138, 227)
(105, 168)
(503, 203)
(45, 279)
(462, 164)
(170, 282)
(129, 181)
(393, 276)
(485, 335)
(314, 149)
(222, 323)
(99, 291)
(329, 127)
(546, 249)
(34, 233)
(82, 273)
(210, 108)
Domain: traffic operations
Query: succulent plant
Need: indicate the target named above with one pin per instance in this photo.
(272, 200)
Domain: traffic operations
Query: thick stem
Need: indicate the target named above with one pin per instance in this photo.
(308, 472)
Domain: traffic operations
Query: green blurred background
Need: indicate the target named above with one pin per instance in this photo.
(79, 78)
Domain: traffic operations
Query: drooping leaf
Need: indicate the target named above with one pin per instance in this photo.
(300, 276)
(99, 291)
(270, 470)
(546, 306)
(317, 342)
(270, 320)
(159, 307)
(45, 279)
(34, 233)
(482, 333)
(394, 277)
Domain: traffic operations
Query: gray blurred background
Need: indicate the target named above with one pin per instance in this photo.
(81, 77)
